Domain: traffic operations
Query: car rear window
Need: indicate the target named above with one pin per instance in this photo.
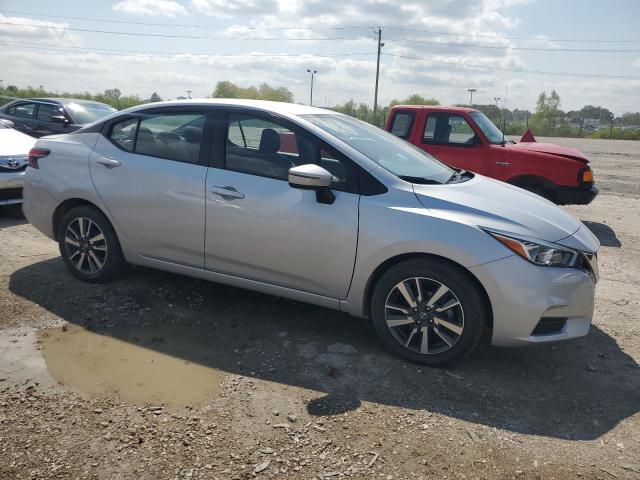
(401, 126)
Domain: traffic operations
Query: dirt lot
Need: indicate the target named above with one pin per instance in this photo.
(159, 376)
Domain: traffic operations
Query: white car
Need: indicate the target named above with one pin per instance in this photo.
(14, 156)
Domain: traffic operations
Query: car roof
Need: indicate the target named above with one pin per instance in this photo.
(437, 107)
(276, 107)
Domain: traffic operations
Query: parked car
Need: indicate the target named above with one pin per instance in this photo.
(316, 206)
(48, 116)
(466, 138)
(14, 154)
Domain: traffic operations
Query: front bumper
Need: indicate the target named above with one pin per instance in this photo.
(522, 294)
(11, 184)
(576, 195)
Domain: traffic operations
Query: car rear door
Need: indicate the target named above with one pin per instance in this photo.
(259, 227)
(24, 118)
(149, 169)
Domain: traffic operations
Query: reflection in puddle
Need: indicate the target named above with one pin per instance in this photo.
(142, 365)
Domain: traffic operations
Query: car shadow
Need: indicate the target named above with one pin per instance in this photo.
(604, 233)
(575, 390)
(6, 221)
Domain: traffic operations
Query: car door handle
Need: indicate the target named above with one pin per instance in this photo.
(109, 162)
(227, 192)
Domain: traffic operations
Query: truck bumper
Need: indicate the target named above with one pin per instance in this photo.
(11, 187)
(576, 195)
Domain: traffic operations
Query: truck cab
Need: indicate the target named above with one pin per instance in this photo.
(465, 138)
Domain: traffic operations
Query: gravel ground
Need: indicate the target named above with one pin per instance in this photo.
(159, 376)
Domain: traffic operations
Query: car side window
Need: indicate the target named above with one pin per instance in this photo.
(448, 129)
(123, 133)
(48, 110)
(25, 110)
(262, 147)
(401, 125)
(174, 136)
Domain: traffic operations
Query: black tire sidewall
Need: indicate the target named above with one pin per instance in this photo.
(114, 263)
(473, 307)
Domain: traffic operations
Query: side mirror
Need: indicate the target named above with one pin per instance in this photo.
(58, 119)
(313, 177)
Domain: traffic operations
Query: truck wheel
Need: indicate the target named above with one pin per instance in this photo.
(541, 191)
(428, 311)
(89, 245)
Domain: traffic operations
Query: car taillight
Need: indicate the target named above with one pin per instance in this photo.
(36, 154)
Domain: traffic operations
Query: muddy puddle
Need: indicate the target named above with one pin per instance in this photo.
(159, 365)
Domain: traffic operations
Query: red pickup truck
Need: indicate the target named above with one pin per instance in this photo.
(465, 138)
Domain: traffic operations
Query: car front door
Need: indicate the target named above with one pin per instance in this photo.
(451, 139)
(149, 169)
(259, 227)
(50, 119)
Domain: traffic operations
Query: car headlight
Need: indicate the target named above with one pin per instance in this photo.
(537, 252)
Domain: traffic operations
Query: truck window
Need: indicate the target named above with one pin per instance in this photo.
(401, 125)
(448, 129)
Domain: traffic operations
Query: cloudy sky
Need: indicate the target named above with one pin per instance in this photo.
(436, 48)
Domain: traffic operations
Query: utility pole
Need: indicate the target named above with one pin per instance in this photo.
(471, 91)
(375, 98)
(188, 93)
(497, 99)
(312, 72)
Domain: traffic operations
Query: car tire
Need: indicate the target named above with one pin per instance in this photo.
(448, 308)
(89, 245)
(14, 211)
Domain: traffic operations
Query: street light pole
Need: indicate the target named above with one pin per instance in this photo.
(312, 72)
(471, 91)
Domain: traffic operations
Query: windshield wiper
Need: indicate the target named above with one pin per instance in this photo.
(456, 176)
(420, 180)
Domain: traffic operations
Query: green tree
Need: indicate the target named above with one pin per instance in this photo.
(415, 99)
(226, 89)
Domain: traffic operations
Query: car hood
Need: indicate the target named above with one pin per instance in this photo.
(550, 149)
(489, 203)
(13, 142)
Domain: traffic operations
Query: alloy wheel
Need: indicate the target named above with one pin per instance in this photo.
(85, 245)
(424, 315)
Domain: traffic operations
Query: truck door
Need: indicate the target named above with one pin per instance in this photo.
(452, 140)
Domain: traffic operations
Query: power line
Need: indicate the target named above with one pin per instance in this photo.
(179, 25)
(500, 37)
(118, 52)
(165, 35)
(518, 70)
(169, 55)
(506, 47)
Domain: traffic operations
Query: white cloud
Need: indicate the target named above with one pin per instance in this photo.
(21, 29)
(636, 62)
(166, 8)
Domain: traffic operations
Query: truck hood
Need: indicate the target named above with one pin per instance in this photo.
(548, 148)
(489, 203)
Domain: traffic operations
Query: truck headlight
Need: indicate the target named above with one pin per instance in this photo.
(538, 252)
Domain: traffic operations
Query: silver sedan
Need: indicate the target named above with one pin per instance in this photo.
(316, 206)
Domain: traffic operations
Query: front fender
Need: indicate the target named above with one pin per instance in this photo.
(405, 228)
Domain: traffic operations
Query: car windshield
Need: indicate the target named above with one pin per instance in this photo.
(492, 132)
(390, 152)
(88, 112)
